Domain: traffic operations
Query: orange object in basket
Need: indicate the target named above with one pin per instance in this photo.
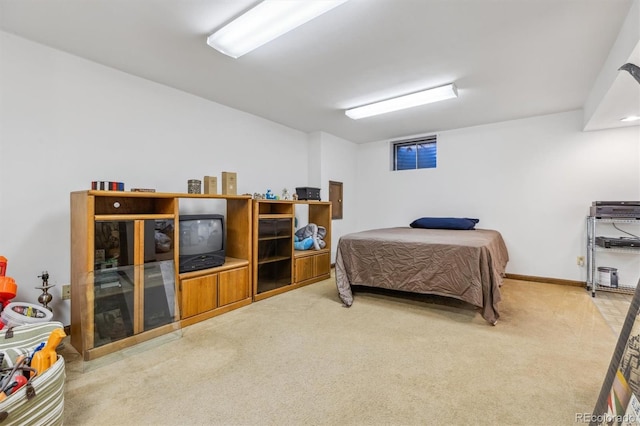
(3, 266)
(47, 356)
(8, 288)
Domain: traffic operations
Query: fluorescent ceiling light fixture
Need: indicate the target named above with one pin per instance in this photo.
(265, 22)
(407, 101)
(630, 118)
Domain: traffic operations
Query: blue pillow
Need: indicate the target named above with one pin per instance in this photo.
(444, 223)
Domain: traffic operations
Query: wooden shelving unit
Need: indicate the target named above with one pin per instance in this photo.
(126, 293)
(277, 267)
(311, 266)
(123, 292)
(272, 247)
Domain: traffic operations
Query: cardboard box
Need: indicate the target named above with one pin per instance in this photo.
(229, 183)
(210, 185)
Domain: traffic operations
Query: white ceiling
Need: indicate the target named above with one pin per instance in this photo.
(509, 58)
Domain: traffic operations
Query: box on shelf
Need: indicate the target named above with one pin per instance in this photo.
(210, 185)
(103, 185)
(229, 183)
(194, 186)
(308, 193)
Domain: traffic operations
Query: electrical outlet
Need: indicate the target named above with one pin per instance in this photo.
(580, 261)
(66, 292)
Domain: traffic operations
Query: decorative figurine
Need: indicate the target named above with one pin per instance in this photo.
(285, 194)
(270, 195)
(45, 297)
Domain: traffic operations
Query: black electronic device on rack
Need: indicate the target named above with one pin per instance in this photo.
(613, 242)
(615, 209)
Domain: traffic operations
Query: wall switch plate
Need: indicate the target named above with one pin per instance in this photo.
(580, 261)
(66, 292)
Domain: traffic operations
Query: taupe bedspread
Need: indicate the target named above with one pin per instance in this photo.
(466, 265)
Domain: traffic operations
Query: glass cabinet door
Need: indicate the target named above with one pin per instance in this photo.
(134, 278)
(159, 300)
(274, 253)
(114, 244)
(158, 274)
(113, 304)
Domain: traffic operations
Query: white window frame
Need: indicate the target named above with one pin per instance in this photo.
(394, 145)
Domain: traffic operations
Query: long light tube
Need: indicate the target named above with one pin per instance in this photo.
(407, 101)
(265, 22)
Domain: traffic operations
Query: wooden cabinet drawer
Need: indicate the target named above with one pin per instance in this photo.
(233, 285)
(199, 295)
(304, 268)
(322, 264)
(312, 266)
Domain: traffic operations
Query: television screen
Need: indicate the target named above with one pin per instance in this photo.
(199, 236)
(201, 241)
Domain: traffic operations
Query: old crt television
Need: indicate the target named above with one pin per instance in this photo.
(202, 242)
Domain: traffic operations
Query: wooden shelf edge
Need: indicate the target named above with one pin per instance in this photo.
(133, 216)
(273, 259)
(270, 293)
(160, 194)
(215, 312)
(264, 200)
(109, 348)
(277, 237)
(303, 253)
(230, 263)
(275, 216)
(313, 280)
(289, 287)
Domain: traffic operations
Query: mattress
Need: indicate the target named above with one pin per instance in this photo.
(468, 265)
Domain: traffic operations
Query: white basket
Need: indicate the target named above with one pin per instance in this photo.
(41, 402)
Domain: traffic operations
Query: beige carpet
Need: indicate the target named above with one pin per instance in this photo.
(300, 358)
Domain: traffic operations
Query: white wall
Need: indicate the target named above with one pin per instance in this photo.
(67, 121)
(622, 50)
(338, 162)
(533, 180)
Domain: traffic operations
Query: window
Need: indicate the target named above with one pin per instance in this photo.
(415, 154)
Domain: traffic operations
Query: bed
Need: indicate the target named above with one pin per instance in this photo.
(467, 265)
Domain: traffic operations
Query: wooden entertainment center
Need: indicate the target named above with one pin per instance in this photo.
(125, 285)
(277, 266)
